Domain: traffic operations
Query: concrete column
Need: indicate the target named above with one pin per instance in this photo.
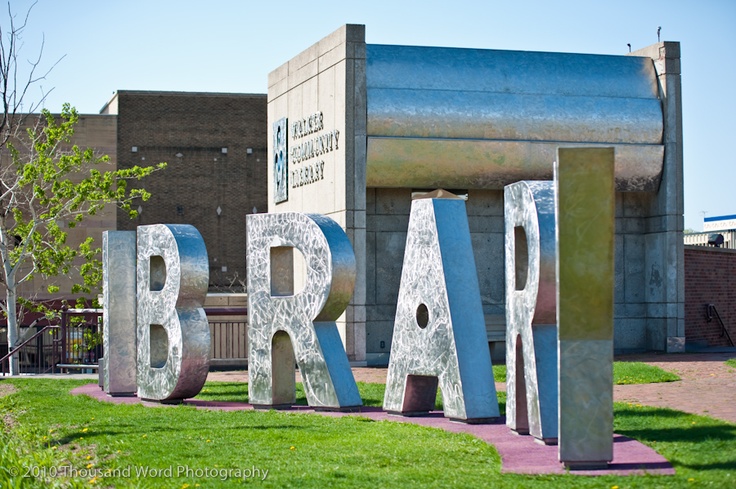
(665, 262)
(327, 83)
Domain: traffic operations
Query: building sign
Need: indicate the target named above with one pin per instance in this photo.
(309, 142)
(719, 223)
(280, 161)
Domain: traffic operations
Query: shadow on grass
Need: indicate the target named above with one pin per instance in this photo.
(687, 440)
(692, 434)
(729, 465)
(149, 430)
(371, 394)
(238, 392)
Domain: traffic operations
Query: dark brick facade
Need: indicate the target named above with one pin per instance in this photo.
(215, 146)
(710, 278)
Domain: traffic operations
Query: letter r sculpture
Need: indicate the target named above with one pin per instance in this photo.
(286, 326)
(531, 295)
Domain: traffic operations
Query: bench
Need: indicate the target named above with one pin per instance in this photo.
(67, 366)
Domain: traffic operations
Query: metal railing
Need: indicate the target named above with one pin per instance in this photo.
(81, 338)
(37, 354)
(75, 341)
(710, 313)
(75, 338)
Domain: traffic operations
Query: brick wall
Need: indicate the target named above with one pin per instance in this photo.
(710, 278)
(189, 132)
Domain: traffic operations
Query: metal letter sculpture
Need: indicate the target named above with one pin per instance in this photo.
(531, 294)
(584, 181)
(119, 310)
(173, 332)
(439, 332)
(285, 327)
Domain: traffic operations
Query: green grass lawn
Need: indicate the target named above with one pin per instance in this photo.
(640, 373)
(46, 429)
(372, 394)
(623, 373)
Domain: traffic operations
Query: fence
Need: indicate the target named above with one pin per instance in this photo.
(229, 334)
(74, 341)
(702, 239)
(38, 352)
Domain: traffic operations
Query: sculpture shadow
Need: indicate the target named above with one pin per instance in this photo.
(371, 393)
(238, 392)
(694, 434)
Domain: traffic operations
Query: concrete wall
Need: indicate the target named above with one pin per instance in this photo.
(710, 278)
(327, 81)
(664, 266)
(634, 330)
(649, 292)
(215, 147)
(387, 222)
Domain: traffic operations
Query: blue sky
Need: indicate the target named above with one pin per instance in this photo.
(231, 45)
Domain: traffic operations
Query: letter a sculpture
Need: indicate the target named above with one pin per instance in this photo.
(287, 327)
(439, 332)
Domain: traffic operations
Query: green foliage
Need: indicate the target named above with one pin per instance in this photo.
(91, 339)
(58, 184)
(731, 362)
(302, 450)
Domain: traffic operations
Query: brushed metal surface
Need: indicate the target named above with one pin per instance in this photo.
(439, 330)
(456, 163)
(284, 326)
(119, 312)
(502, 71)
(585, 210)
(173, 332)
(470, 118)
(531, 301)
(514, 116)
(586, 403)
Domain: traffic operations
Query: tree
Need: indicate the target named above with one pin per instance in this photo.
(47, 184)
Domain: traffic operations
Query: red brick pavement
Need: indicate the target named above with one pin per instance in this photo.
(708, 385)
